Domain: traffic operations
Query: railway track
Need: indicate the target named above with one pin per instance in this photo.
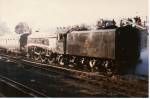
(11, 88)
(55, 68)
(116, 84)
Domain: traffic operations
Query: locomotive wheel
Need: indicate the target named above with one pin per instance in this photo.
(50, 60)
(39, 54)
(36, 57)
(42, 59)
(63, 60)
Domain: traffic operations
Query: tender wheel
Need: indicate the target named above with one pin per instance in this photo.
(92, 64)
(61, 61)
(72, 61)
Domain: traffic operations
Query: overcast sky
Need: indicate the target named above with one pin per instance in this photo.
(44, 14)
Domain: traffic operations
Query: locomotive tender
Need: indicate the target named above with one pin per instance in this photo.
(100, 50)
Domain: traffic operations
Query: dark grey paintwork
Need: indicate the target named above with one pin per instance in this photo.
(96, 43)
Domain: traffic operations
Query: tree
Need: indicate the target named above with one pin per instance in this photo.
(22, 28)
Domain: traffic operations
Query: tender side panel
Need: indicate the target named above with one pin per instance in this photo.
(99, 44)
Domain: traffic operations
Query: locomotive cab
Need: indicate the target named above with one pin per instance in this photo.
(61, 41)
(60, 37)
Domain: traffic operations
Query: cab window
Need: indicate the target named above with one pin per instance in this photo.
(60, 37)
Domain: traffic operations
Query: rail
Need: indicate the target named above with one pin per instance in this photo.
(116, 83)
(12, 88)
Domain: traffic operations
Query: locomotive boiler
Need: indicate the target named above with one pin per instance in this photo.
(40, 47)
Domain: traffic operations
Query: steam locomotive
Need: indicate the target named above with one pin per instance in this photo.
(100, 50)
